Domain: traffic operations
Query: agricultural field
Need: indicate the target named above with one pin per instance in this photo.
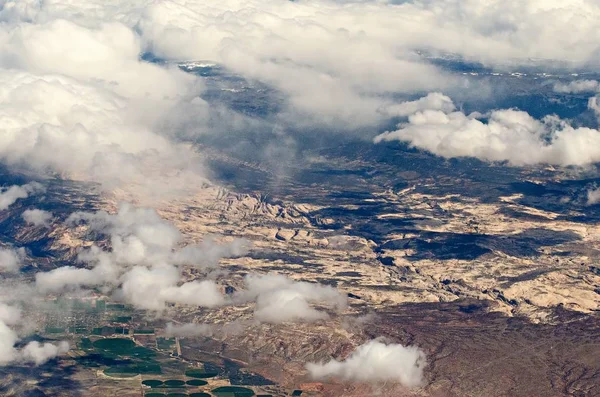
(117, 348)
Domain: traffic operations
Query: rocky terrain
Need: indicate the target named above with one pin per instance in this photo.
(491, 283)
(497, 282)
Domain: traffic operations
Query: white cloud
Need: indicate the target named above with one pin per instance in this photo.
(507, 135)
(8, 338)
(9, 195)
(280, 299)
(433, 101)
(37, 217)
(32, 352)
(145, 288)
(376, 361)
(577, 87)
(77, 100)
(66, 276)
(106, 55)
(334, 59)
(332, 71)
(329, 81)
(204, 293)
(594, 105)
(593, 196)
(9, 314)
(39, 353)
(142, 286)
(151, 289)
(83, 130)
(495, 29)
(209, 251)
(142, 263)
(138, 236)
(10, 259)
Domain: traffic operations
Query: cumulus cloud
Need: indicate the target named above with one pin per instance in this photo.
(335, 79)
(35, 352)
(360, 50)
(9, 195)
(281, 299)
(78, 100)
(70, 276)
(37, 217)
(433, 101)
(333, 59)
(9, 314)
(145, 288)
(151, 289)
(577, 87)
(503, 135)
(593, 196)
(376, 361)
(139, 236)
(209, 251)
(82, 131)
(142, 263)
(8, 338)
(106, 54)
(328, 81)
(494, 29)
(11, 259)
(594, 105)
(204, 293)
(39, 353)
